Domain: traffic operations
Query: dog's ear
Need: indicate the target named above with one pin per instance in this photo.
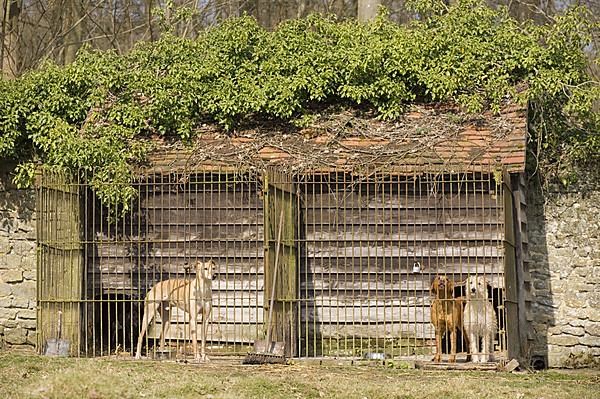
(433, 288)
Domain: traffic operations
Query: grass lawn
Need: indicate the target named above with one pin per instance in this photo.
(32, 376)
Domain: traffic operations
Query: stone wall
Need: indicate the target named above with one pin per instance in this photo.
(564, 249)
(17, 264)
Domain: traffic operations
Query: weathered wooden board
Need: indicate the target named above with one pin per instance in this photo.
(230, 248)
(365, 314)
(402, 266)
(172, 266)
(465, 250)
(167, 217)
(207, 199)
(338, 216)
(354, 200)
(391, 300)
(385, 331)
(397, 233)
(149, 234)
(224, 315)
(133, 286)
(374, 284)
(217, 332)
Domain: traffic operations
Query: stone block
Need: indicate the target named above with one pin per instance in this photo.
(8, 313)
(15, 336)
(592, 328)
(31, 337)
(31, 234)
(5, 289)
(22, 303)
(576, 331)
(594, 298)
(28, 263)
(574, 300)
(563, 340)
(577, 323)
(557, 355)
(5, 246)
(592, 314)
(31, 314)
(6, 302)
(29, 274)
(12, 276)
(12, 261)
(8, 323)
(23, 247)
(27, 323)
(26, 290)
(589, 340)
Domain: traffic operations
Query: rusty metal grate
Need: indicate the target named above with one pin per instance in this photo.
(357, 257)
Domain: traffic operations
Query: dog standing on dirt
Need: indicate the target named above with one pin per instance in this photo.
(446, 315)
(193, 296)
(480, 319)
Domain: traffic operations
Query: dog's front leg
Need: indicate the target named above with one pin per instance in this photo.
(207, 307)
(486, 355)
(474, 346)
(452, 358)
(439, 335)
(194, 328)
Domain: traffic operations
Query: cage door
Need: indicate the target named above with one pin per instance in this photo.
(281, 215)
(60, 261)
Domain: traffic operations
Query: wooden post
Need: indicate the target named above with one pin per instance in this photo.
(513, 335)
(280, 199)
(60, 261)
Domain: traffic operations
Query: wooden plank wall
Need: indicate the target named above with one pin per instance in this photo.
(207, 216)
(363, 238)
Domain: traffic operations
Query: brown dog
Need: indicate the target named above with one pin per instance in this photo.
(193, 296)
(446, 315)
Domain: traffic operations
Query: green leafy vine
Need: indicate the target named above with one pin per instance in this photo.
(100, 113)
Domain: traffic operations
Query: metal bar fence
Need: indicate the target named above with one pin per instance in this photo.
(364, 249)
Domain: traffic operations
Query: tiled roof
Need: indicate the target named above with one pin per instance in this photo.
(425, 139)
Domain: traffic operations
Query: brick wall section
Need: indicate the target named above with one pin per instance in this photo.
(564, 249)
(17, 264)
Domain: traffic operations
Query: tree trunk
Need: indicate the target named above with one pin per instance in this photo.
(263, 13)
(72, 29)
(367, 9)
(10, 35)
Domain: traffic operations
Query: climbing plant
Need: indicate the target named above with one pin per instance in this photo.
(100, 113)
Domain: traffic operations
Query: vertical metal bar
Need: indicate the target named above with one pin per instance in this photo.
(424, 232)
(41, 245)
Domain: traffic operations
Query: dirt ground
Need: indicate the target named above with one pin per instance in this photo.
(32, 376)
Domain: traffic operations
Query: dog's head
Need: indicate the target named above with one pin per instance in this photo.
(442, 287)
(206, 270)
(476, 287)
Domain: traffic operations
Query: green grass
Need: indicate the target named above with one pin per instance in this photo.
(31, 376)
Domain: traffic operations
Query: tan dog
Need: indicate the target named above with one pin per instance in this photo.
(480, 319)
(193, 296)
(446, 315)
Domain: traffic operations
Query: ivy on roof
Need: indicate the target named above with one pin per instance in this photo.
(98, 113)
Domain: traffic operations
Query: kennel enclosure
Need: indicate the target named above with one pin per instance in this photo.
(363, 235)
